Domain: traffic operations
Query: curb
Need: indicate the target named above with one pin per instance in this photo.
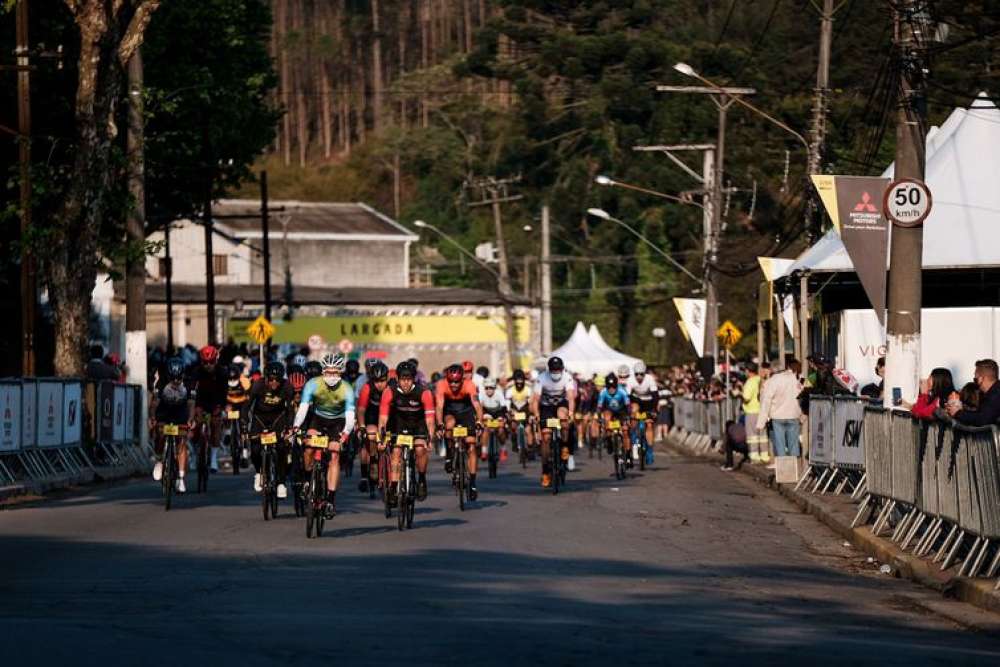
(978, 592)
(15, 492)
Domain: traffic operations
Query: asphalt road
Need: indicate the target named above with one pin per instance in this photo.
(682, 564)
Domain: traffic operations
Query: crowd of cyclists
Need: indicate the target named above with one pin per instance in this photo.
(286, 418)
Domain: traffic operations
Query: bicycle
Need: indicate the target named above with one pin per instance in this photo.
(640, 430)
(620, 452)
(170, 434)
(384, 461)
(235, 438)
(521, 438)
(492, 447)
(406, 490)
(299, 480)
(376, 479)
(348, 454)
(268, 474)
(555, 451)
(202, 433)
(460, 475)
(315, 492)
(593, 444)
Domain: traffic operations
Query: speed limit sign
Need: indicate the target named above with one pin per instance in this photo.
(907, 202)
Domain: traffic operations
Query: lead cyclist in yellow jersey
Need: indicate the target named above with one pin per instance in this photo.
(519, 400)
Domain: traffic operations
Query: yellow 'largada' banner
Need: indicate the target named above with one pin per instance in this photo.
(416, 329)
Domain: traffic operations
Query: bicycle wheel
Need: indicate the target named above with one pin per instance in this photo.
(386, 496)
(491, 448)
(642, 452)
(234, 447)
(556, 453)
(203, 465)
(169, 467)
(460, 472)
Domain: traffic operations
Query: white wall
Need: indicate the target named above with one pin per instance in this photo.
(187, 247)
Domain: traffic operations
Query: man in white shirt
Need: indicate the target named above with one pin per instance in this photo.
(779, 403)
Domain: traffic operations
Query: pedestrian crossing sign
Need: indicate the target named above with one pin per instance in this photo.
(261, 330)
(729, 334)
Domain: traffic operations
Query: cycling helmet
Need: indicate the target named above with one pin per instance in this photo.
(639, 368)
(467, 367)
(611, 382)
(274, 371)
(623, 371)
(490, 383)
(379, 372)
(175, 368)
(296, 377)
(413, 362)
(298, 360)
(234, 372)
(555, 364)
(406, 370)
(518, 375)
(352, 369)
(336, 362)
(454, 373)
(370, 365)
(483, 372)
(313, 369)
(209, 354)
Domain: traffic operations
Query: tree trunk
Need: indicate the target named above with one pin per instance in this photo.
(377, 85)
(425, 51)
(324, 78)
(281, 17)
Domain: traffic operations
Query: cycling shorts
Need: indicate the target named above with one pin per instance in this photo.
(551, 411)
(331, 428)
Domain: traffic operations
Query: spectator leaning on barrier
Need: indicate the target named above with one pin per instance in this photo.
(779, 403)
(874, 390)
(756, 440)
(968, 398)
(98, 369)
(989, 404)
(935, 390)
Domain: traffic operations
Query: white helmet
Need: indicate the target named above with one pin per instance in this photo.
(490, 383)
(337, 362)
(639, 368)
(623, 371)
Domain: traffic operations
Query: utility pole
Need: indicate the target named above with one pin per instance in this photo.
(902, 367)
(206, 216)
(266, 245)
(494, 192)
(817, 137)
(135, 276)
(546, 282)
(29, 291)
(169, 287)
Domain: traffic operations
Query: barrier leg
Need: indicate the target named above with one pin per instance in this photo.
(954, 550)
(995, 565)
(30, 466)
(5, 473)
(900, 529)
(969, 557)
(913, 530)
(860, 488)
(883, 517)
(834, 473)
(844, 481)
(806, 474)
(930, 538)
(977, 565)
(861, 510)
(819, 481)
(944, 545)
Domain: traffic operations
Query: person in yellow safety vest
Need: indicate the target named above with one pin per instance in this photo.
(756, 440)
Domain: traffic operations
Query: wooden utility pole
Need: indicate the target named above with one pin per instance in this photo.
(28, 288)
(906, 251)
(135, 276)
(169, 262)
(494, 192)
(546, 282)
(265, 244)
(817, 137)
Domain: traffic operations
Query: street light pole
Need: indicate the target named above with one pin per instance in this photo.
(604, 215)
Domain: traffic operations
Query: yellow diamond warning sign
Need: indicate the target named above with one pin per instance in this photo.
(261, 330)
(729, 334)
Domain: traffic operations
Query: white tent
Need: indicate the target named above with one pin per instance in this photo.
(583, 355)
(619, 357)
(963, 170)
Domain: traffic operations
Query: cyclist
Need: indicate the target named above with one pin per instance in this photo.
(272, 406)
(585, 406)
(519, 400)
(297, 378)
(237, 397)
(313, 369)
(209, 398)
(457, 404)
(494, 407)
(351, 372)
(643, 394)
(172, 405)
(369, 400)
(554, 396)
(408, 408)
(328, 401)
(613, 404)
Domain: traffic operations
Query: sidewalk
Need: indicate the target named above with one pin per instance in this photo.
(837, 512)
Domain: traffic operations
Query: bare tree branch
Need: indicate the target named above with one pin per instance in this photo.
(136, 31)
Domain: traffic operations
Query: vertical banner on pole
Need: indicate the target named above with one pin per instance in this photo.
(29, 413)
(10, 416)
(50, 413)
(72, 413)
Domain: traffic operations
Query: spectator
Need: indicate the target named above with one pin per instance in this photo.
(873, 390)
(969, 397)
(735, 441)
(756, 441)
(779, 403)
(97, 368)
(989, 399)
(934, 393)
(664, 414)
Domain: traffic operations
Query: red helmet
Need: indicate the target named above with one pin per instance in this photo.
(454, 373)
(467, 366)
(298, 379)
(209, 354)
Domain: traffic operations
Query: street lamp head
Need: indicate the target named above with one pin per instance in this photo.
(599, 213)
(528, 228)
(684, 69)
(603, 180)
(419, 223)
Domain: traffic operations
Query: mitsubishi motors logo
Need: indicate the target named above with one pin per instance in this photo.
(866, 204)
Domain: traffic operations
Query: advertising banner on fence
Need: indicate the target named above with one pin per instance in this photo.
(820, 431)
(106, 411)
(72, 413)
(29, 413)
(118, 431)
(50, 413)
(10, 416)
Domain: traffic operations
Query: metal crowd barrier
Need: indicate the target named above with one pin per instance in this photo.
(836, 445)
(57, 430)
(704, 422)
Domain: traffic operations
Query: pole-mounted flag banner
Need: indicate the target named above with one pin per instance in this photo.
(692, 312)
(774, 267)
(854, 204)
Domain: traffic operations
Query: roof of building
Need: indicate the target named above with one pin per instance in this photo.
(310, 220)
(333, 296)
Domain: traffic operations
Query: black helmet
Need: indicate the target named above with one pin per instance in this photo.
(313, 369)
(274, 371)
(352, 369)
(555, 364)
(413, 362)
(234, 371)
(518, 375)
(370, 364)
(611, 382)
(379, 372)
(175, 368)
(406, 369)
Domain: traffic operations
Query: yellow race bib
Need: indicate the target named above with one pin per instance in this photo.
(233, 414)
(404, 440)
(268, 438)
(171, 429)
(614, 424)
(520, 416)
(319, 441)
(460, 431)
(493, 423)
(553, 422)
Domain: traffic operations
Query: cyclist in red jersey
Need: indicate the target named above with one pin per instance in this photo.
(408, 408)
(457, 404)
(211, 385)
(367, 411)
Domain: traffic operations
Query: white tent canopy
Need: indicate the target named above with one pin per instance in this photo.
(583, 354)
(963, 172)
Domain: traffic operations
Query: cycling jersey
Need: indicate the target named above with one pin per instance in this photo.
(644, 393)
(172, 404)
(519, 398)
(615, 403)
(495, 405)
(369, 399)
(329, 402)
(239, 394)
(552, 393)
(271, 406)
(210, 388)
(407, 411)
(456, 402)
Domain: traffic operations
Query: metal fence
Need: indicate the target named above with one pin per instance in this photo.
(704, 422)
(836, 445)
(54, 430)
